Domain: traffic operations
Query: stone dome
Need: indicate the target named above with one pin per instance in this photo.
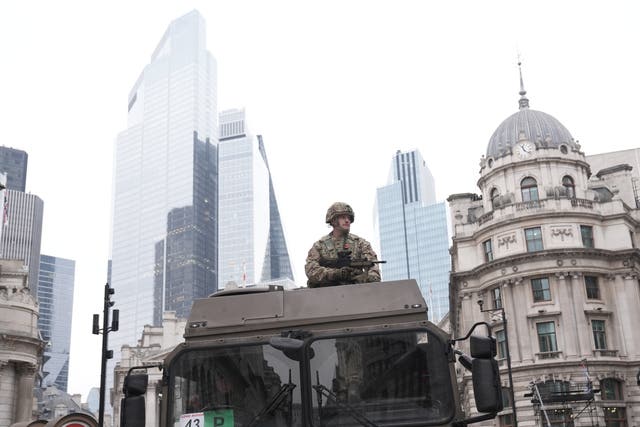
(538, 127)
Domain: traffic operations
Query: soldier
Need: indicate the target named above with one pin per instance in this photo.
(326, 251)
(340, 242)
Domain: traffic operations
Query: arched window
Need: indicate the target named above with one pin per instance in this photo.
(569, 186)
(494, 198)
(611, 389)
(529, 189)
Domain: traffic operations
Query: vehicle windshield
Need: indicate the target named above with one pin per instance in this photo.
(401, 378)
(235, 386)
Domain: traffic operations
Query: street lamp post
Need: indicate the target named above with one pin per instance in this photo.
(506, 343)
(106, 353)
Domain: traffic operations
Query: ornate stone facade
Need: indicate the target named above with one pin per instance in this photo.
(156, 342)
(20, 344)
(554, 249)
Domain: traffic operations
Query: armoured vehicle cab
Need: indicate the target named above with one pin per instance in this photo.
(344, 355)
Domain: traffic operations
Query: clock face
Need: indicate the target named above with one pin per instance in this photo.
(524, 149)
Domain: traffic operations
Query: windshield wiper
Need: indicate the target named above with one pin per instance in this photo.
(357, 415)
(275, 401)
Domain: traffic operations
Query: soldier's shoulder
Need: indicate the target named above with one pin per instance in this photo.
(357, 238)
(324, 238)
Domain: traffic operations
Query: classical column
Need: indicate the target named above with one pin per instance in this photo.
(25, 375)
(6, 393)
(625, 292)
(576, 303)
(518, 325)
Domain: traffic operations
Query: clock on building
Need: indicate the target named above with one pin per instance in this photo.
(524, 150)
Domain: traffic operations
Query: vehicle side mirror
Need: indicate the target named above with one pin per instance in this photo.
(486, 376)
(132, 405)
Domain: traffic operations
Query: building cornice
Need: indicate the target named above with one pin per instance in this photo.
(628, 256)
(543, 213)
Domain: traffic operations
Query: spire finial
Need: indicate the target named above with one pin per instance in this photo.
(524, 101)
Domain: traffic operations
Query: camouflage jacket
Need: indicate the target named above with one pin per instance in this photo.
(327, 248)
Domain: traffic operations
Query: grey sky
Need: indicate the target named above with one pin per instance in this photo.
(335, 88)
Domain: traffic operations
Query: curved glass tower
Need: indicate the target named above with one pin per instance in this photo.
(164, 236)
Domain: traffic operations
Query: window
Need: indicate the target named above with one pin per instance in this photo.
(506, 397)
(501, 344)
(615, 417)
(494, 198)
(560, 417)
(599, 334)
(496, 297)
(547, 337)
(587, 236)
(533, 236)
(569, 186)
(529, 189)
(592, 287)
(610, 389)
(377, 375)
(488, 250)
(506, 420)
(541, 289)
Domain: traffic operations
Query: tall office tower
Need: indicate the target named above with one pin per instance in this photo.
(55, 297)
(14, 163)
(22, 232)
(413, 231)
(164, 233)
(252, 246)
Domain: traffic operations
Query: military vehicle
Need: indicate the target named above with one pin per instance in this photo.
(353, 355)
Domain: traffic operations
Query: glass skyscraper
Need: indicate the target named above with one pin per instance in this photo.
(55, 298)
(413, 233)
(164, 233)
(14, 163)
(22, 232)
(22, 215)
(251, 241)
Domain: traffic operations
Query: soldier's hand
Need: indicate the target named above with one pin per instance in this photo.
(360, 278)
(340, 275)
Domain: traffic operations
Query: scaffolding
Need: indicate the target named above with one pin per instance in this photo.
(560, 403)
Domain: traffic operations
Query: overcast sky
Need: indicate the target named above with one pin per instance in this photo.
(334, 87)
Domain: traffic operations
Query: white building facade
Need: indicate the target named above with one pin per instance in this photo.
(21, 347)
(554, 249)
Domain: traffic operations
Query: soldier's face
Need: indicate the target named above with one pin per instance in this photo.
(342, 223)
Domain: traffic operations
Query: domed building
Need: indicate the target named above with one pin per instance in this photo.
(547, 255)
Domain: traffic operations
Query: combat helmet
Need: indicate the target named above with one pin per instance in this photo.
(339, 208)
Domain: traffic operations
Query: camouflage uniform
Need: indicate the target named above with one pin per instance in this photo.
(348, 380)
(327, 248)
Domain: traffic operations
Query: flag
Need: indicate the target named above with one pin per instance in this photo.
(586, 375)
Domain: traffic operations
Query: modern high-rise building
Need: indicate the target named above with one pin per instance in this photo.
(22, 215)
(55, 298)
(412, 229)
(164, 233)
(252, 247)
(14, 163)
(22, 232)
